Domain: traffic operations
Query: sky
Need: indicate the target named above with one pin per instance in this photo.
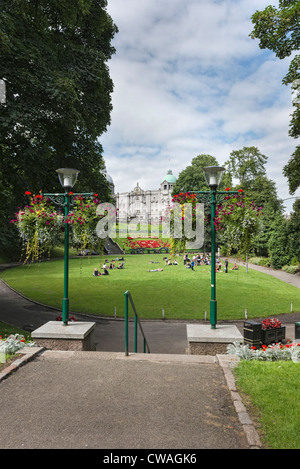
(188, 80)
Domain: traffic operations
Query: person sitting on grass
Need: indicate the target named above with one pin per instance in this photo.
(96, 272)
(235, 267)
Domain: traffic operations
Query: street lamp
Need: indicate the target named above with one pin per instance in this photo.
(67, 177)
(213, 176)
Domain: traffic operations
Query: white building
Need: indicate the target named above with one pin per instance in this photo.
(147, 206)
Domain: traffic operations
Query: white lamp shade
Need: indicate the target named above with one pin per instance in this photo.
(213, 175)
(67, 177)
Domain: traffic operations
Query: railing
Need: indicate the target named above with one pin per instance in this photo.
(136, 324)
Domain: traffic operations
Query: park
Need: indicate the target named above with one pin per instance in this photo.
(92, 87)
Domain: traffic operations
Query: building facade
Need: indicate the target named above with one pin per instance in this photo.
(146, 206)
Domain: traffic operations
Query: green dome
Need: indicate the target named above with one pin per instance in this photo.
(170, 178)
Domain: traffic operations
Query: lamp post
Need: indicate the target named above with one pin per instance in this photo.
(67, 177)
(213, 176)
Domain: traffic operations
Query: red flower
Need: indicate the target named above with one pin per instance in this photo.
(240, 190)
(27, 193)
(38, 196)
(71, 193)
(227, 189)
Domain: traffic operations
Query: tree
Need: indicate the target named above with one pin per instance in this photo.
(53, 56)
(192, 177)
(278, 30)
(246, 165)
(293, 232)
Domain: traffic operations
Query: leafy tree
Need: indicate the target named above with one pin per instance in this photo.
(278, 30)
(263, 193)
(278, 243)
(246, 165)
(53, 56)
(293, 232)
(192, 177)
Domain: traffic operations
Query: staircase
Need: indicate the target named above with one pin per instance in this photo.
(111, 247)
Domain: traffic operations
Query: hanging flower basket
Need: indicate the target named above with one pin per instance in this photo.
(39, 226)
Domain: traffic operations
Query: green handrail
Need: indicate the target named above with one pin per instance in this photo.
(136, 324)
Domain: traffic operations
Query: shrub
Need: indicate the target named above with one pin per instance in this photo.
(291, 269)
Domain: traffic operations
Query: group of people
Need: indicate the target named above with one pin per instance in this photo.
(111, 266)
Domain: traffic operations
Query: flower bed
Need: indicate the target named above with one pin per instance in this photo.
(290, 351)
(13, 343)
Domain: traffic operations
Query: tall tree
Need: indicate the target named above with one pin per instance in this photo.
(246, 165)
(192, 178)
(53, 59)
(278, 30)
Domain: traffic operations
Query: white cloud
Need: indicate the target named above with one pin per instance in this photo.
(189, 80)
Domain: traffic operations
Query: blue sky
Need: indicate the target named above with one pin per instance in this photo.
(189, 80)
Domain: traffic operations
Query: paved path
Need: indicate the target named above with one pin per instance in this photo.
(102, 400)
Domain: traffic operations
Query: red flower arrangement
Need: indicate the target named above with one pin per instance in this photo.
(270, 323)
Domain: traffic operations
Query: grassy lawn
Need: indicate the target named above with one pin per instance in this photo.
(181, 292)
(273, 388)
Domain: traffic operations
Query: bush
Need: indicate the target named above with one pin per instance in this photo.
(254, 260)
(264, 261)
(291, 269)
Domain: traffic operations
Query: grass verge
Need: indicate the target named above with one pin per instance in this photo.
(273, 389)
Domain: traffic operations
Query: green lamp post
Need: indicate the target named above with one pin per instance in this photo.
(213, 176)
(67, 177)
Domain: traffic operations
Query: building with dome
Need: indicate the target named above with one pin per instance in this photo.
(146, 205)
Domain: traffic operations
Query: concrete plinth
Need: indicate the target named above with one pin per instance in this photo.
(203, 340)
(75, 336)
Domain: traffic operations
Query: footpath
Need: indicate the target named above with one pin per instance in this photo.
(166, 400)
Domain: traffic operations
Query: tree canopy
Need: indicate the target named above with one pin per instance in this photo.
(192, 178)
(53, 56)
(278, 30)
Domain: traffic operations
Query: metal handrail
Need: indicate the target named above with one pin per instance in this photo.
(136, 324)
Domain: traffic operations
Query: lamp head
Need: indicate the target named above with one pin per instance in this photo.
(67, 177)
(213, 175)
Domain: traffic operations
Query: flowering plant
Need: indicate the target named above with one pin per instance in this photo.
(39, 226)
(84, 219)
(289, 351)
(270, 323)
(180, 210)
(12, 344)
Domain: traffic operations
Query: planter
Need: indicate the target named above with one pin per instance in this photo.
(252, 333)
(297, 330)
(270, 336)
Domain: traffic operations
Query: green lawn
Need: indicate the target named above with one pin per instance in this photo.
(182, 293)
(273, 388)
